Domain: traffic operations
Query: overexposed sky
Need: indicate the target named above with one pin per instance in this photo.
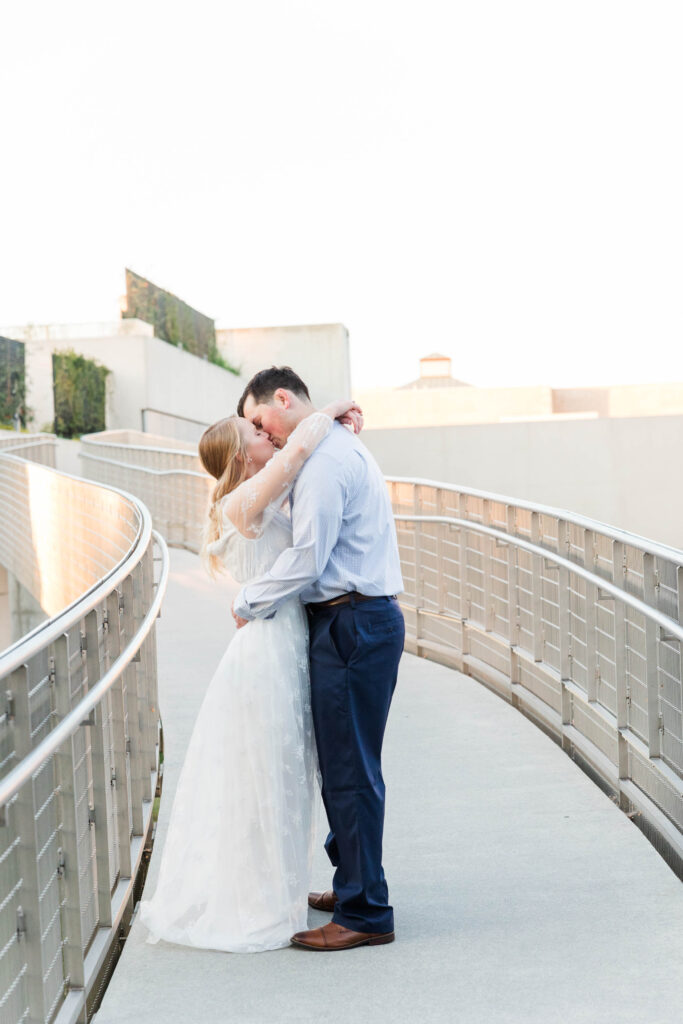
(499, 180)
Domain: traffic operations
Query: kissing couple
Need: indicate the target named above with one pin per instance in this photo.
(305, 683)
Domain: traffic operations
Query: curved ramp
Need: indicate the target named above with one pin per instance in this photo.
(522, 893)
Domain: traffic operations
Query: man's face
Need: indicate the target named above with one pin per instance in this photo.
(272, 419)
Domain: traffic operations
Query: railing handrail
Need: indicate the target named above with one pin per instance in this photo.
(90, 439)
(144, 469)
(20, 445)
(634, 539)
(14, 780)
(535, 549)
(45, 633)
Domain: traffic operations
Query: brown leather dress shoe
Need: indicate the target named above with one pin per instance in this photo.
(332, 937)
(323, 900)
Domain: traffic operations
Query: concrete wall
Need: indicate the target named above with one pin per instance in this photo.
(624, 472)
(181, 393)
(436, 406)
(319, 353)
(147, 373)
(646, 400)
(186, 386)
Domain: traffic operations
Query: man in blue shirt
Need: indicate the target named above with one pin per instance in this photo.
(344, 565)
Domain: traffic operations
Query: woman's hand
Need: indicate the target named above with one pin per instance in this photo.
(346, 411)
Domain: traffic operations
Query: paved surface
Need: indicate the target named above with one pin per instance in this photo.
(522, 893)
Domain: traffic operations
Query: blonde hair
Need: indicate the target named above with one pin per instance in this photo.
(219, 446)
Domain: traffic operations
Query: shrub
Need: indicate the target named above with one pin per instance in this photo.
(79, 387)
(13, 383)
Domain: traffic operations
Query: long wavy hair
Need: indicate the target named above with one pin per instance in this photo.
(219, 446)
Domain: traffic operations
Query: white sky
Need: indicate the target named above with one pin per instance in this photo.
(499, 181)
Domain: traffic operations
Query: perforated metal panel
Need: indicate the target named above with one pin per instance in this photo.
(61, 843)
(534, 601)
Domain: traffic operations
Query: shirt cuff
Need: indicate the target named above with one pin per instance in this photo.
(243, 610)
(241, 607)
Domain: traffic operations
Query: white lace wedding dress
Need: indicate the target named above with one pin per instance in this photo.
(235, 867)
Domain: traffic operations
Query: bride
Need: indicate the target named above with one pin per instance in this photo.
(235, 866)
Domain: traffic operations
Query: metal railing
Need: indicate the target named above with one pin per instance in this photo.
(180, 427)
(577, 624)
(78, 736)
(34, 447)
(171, 482)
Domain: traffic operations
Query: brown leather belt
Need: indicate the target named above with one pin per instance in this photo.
(346, 599)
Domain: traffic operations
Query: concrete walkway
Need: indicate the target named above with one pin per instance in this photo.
(522, 893)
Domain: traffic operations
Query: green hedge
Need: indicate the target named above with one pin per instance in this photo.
(79, 387)
(173, 320)
(13, 382)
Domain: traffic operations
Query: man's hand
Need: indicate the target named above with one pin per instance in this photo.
(238, 621)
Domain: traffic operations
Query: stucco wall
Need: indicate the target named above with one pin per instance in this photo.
(625, 472)
(319, 353)
(427, 407)
(183, 384)
(147, 373)
(436, 406)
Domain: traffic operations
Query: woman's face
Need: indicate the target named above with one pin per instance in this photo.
(259, 447)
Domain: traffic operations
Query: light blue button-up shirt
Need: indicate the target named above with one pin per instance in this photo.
(344, 536)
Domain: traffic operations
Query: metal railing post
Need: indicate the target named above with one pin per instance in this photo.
(441, 589)
(592, 670)
(465, 603)
(69, 834)
(137, 769)
(620, 664)
(537, 589)
(419, 579)
(121, 754)
(103, 775)
(22, 813)
(514, 610)
(565, 635)
(652, 659)
(487, 568)
(148, 666)
(139, 666)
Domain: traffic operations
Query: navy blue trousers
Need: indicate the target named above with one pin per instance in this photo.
(355, 650)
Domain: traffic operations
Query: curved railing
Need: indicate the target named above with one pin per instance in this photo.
(78, 735)
(576, 623)
(169, 480)
(34, 447)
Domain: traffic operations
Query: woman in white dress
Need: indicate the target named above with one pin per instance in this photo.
(235, 867)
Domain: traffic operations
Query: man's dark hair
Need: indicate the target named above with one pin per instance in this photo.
(265, 383)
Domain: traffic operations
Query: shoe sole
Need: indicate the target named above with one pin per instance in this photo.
(378, 940)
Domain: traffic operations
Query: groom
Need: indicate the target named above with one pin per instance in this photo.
(345, 567)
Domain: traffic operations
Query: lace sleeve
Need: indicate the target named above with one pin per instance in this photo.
(251, 506)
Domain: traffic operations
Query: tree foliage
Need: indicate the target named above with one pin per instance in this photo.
(79, 389)
(13, 382)
(173, 320)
